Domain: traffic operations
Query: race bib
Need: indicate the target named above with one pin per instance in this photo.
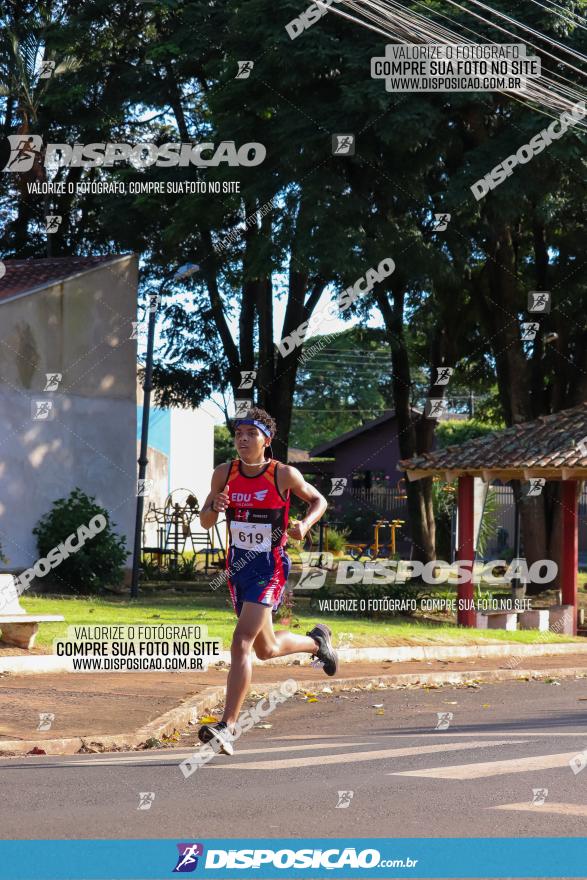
(251, 536)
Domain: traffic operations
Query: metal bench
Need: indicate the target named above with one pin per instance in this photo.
(16, 626)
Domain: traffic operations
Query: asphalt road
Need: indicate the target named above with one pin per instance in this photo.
(476, 778)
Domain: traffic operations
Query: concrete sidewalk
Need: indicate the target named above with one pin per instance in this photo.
(102, 711)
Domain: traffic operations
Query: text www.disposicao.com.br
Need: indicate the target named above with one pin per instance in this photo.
(137, 664)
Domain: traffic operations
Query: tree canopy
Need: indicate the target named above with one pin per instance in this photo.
(306, 223)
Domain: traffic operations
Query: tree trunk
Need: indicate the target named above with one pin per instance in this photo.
(501, 305)
(266, 365)
(520, 383)
(281, 391)
(419, 502)
(303, 296)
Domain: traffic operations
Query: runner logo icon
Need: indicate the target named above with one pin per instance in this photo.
(187, 860)
(23, 151)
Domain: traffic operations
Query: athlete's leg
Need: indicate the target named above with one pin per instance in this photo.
(251, 621)
(270, 644)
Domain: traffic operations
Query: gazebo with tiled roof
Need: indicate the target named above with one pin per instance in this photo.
(552, 447)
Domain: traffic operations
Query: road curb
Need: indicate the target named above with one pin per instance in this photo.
(193, 707)
(179, 716)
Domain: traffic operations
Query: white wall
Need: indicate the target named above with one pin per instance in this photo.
(158, 472)
(89, 444)
(192, 451)
(80, 328)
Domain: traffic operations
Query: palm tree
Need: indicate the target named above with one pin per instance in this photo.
(26, 72)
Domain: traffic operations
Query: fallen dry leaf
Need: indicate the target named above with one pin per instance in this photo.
(208, 719)
(172, 737)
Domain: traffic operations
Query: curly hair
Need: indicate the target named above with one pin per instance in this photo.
(261, 416)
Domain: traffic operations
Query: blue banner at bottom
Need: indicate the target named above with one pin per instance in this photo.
(257, 859)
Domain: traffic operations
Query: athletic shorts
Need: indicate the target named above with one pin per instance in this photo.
(260, 579)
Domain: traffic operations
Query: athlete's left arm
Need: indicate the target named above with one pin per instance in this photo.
(290, 478)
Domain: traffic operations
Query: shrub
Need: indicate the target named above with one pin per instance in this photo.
(99, 562)
(337, 538)
(184, 568)
(150, 571)
(453, 432)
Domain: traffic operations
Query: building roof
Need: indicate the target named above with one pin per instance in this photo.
(550, 447)
(349, 435)
(387, 416)
(26, 276)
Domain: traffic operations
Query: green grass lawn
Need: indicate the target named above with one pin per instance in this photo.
(213, 612)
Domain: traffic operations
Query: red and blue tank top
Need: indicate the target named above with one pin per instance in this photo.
(258, 514)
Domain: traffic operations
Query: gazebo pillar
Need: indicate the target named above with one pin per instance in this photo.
(465, 550)
(570, 546)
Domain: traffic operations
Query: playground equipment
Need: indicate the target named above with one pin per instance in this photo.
(177, 528)
(377, 549)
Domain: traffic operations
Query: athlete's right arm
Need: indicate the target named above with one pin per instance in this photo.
(217, 500)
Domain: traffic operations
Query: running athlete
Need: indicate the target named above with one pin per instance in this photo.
(254, 491)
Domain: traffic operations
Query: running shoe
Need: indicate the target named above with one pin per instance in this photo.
(322, 635)
(219, 736)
